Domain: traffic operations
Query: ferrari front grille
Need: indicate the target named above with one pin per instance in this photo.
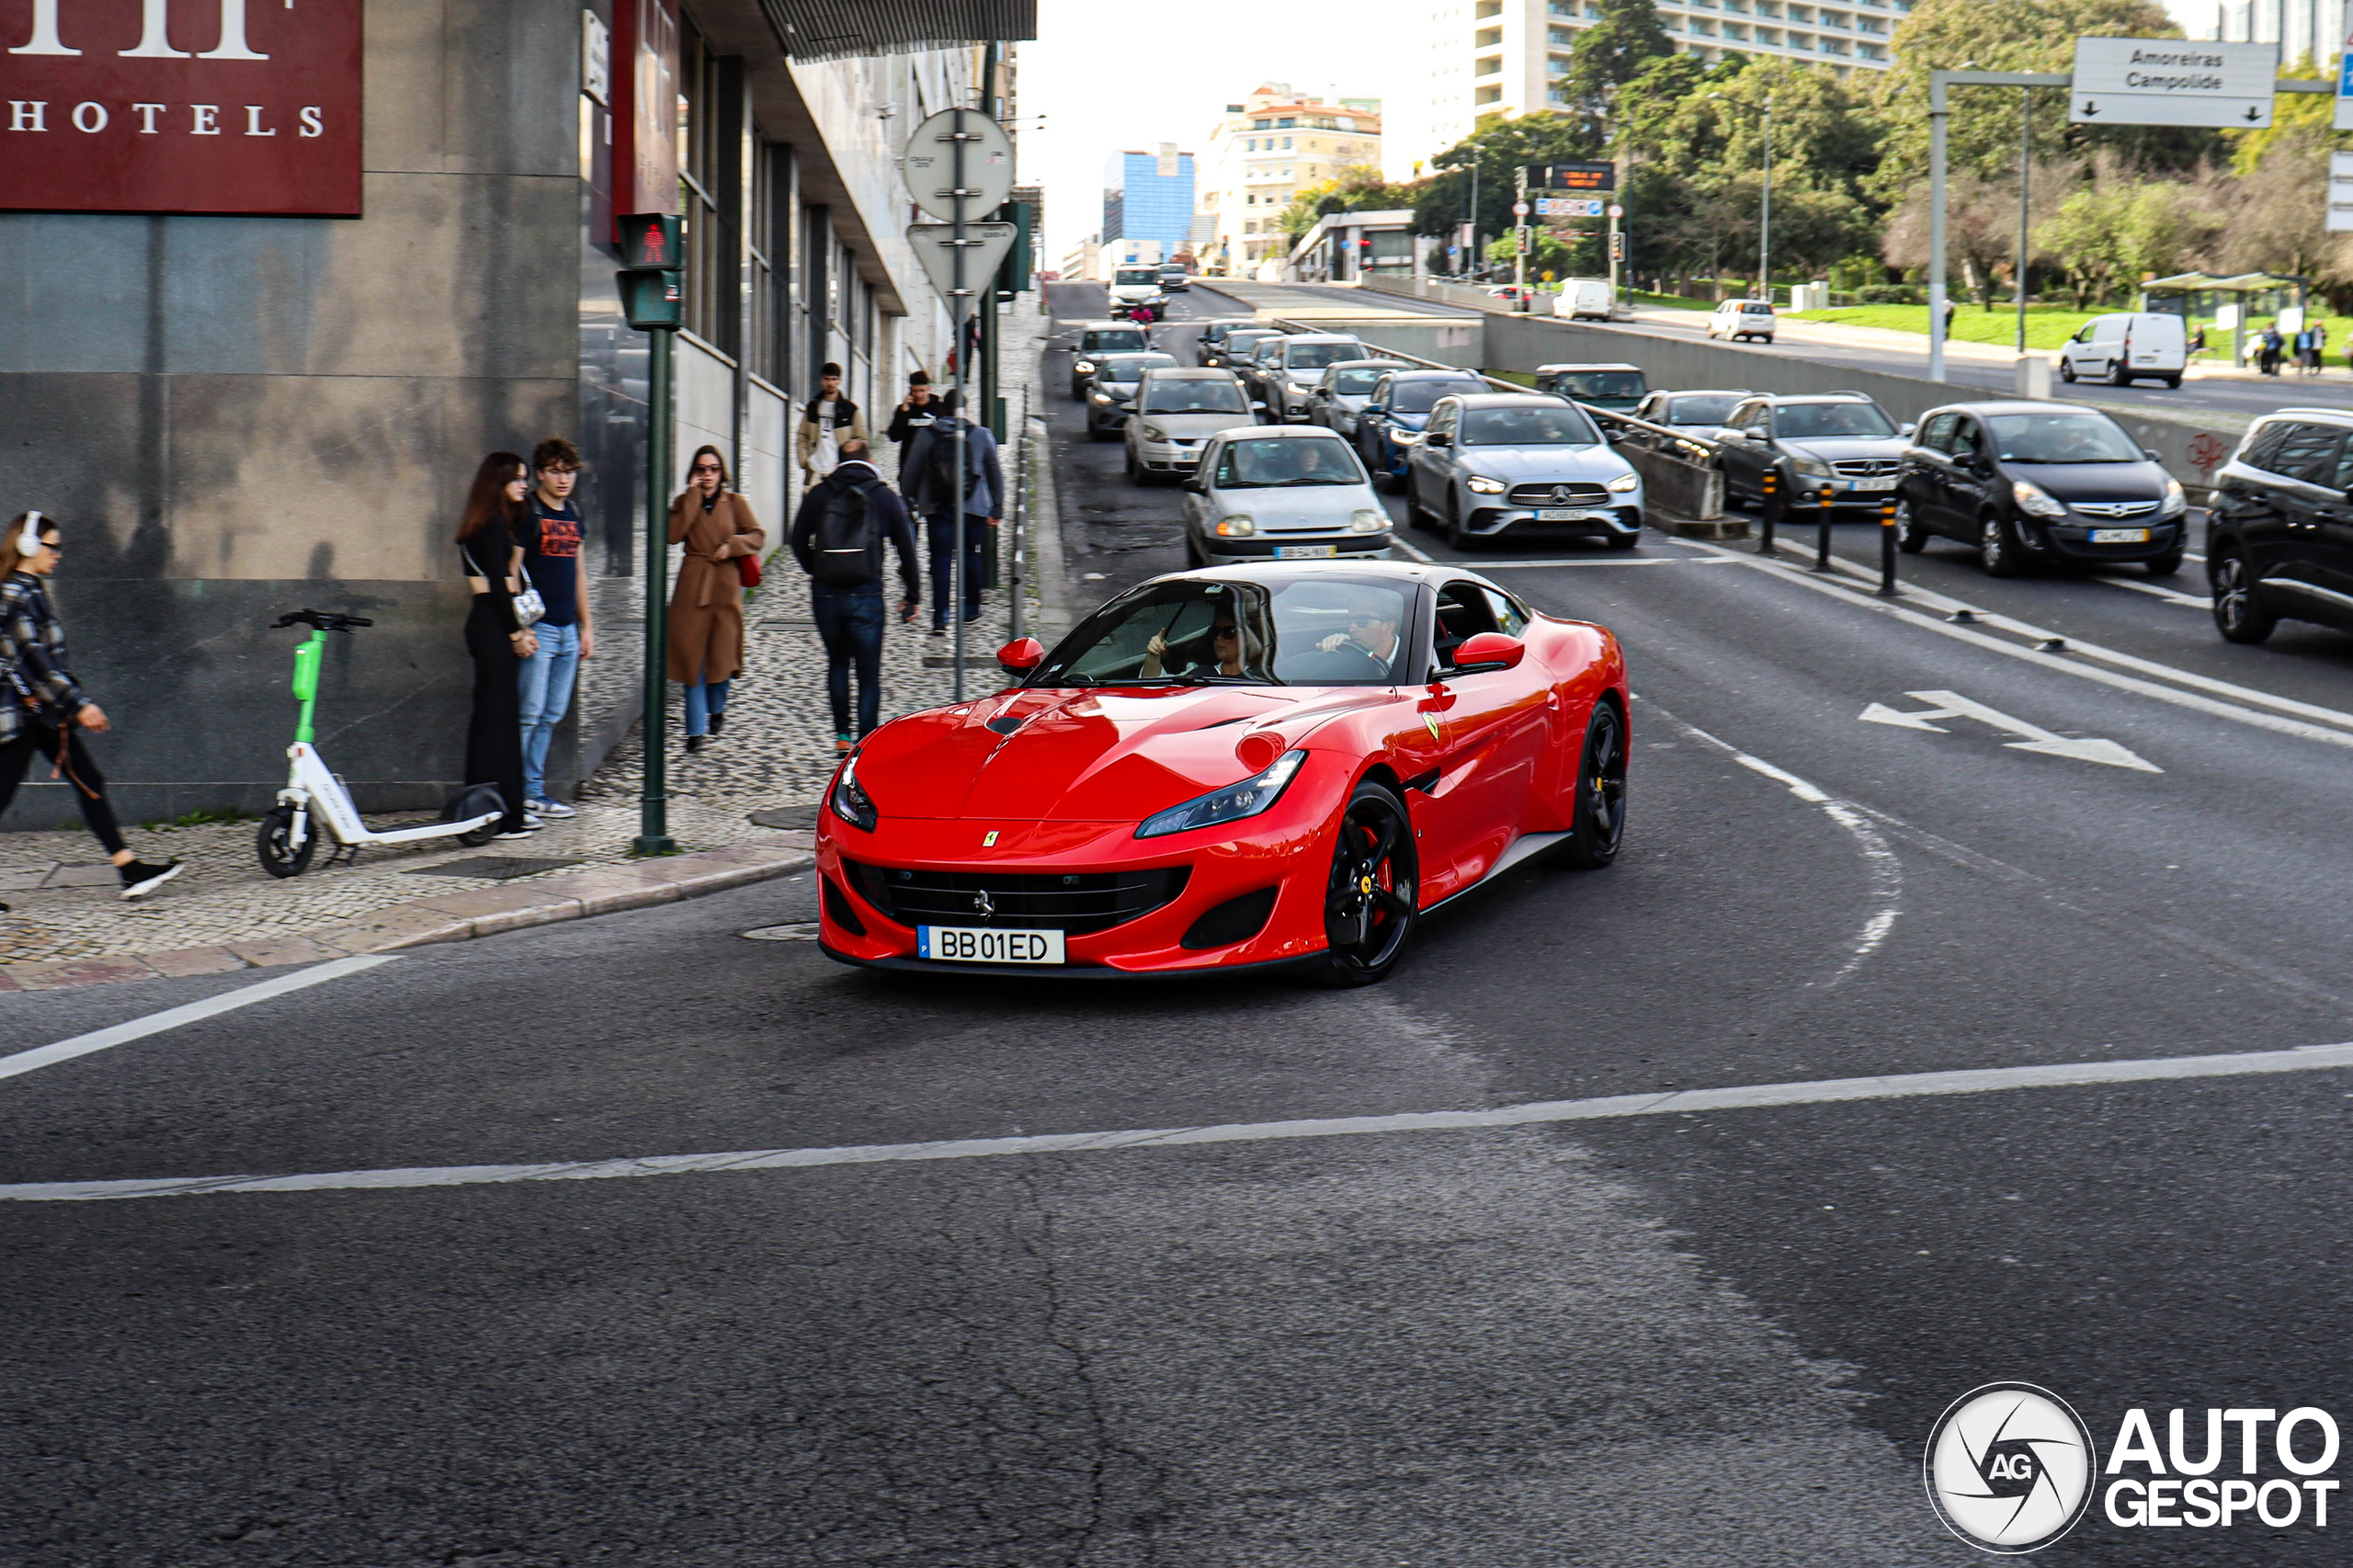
(1553, 495)
(1072, 902)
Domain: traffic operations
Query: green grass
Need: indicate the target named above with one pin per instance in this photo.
(1669, 301)
(2047, 326)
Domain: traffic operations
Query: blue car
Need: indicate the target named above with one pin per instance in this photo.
(1391, 423)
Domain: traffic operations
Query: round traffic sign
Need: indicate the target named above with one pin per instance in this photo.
(931, 165)
(1519, 209)
(1616, 210)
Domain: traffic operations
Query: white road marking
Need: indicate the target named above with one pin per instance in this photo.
(193, 1012)
(2157, 591)
(1595, 561)
(1398, 542)
(1680, 1102)
(1952, 705)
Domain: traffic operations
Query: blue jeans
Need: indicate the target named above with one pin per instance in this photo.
(850, 622)
(943, 563)
(545, 689)
(702, 702)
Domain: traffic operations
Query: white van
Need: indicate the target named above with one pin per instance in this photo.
(1584, 299)
(2117, 348)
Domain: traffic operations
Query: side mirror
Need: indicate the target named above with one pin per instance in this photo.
(1021, 655)
(1257, 406)
(1614, 434)
(1439, 439)
(1905, 428)
(2151, 453)
(1191, 482)
(1489, 651)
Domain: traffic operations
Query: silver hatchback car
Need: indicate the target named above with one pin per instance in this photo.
(1281, 492)
(1175, 410)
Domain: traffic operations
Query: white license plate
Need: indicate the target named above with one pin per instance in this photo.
(1562, 514)
(1306, 552)
(2119, 536)
(984, 944)
(1871, 484)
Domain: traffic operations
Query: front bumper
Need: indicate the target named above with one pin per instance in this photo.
(1287, 849)
(1262, 547)
(2071, 539)
(1168, 457)
(1598, 522)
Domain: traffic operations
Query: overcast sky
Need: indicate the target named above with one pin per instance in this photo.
(1114, 74)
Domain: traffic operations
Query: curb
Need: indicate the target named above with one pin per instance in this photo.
(450, 917)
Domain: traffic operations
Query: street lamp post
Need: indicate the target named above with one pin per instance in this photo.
(1765, 212)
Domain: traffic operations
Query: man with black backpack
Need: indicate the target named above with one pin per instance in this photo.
(928, 479)
(837, 536)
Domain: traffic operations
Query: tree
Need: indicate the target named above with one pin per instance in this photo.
(1982, 135)
(1498, 149)
(1614, 52)
(1981, 225)
(1357, 189)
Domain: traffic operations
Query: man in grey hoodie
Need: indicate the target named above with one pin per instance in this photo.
(928, 478)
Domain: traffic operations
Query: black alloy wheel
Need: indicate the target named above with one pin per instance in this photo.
(2239, 614)
(1599, 824)
(2066, 369)
(1372, 900)
(1997, 543)
(2118, 373)
(1911, 537)
(274, 846)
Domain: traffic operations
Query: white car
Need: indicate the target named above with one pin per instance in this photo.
(1178, 410)
(1281, 492)
(1287, 370)
(2117, 348)
(1585, 299)
(1740, 320)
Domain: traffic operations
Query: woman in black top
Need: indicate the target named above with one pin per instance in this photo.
(496, 637)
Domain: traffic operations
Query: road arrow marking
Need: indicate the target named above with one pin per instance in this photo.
(1952, 705)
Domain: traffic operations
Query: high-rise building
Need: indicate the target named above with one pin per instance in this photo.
(2312, 30)
(1148, 196)
(1265, 150)
(1511, 57)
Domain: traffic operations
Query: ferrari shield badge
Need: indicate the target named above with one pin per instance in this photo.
(988, 840)
(1429, 721)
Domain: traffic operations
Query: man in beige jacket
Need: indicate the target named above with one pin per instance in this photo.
(829, 420)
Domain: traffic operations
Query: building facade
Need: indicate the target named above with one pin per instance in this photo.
(2305, 30)
(238, 409)
(1264, 151)
(1148, 197)
(1511, 57)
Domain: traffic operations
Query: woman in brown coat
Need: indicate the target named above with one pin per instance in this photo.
(707, 606)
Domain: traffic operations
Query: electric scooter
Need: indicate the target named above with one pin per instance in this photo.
(314, 796)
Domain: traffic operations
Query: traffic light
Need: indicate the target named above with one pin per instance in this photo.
(652, 253)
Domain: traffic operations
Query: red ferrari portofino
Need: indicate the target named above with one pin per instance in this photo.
(1271, 764)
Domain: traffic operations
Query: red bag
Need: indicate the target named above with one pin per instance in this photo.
(749, 568)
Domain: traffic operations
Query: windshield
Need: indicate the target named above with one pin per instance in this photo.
(1195, 397)
(1590, 384)
(1112, 340)
(1127, 368)
(1138, 275)
(1270, 461)
(1701, 410)
(1356, 383)
(1316, 356)
(1317, 632)
(1805, 421)
(1758, 308)
(1528, 427)
(2061, 439)
(1420, 397)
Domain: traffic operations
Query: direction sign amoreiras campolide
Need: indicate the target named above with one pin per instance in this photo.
(2172, 81)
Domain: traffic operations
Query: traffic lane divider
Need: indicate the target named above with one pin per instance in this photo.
(449, 917)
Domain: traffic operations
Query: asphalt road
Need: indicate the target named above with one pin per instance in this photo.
(2332, 389)
(1717, 1337)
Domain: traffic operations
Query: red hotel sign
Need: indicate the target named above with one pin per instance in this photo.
(180, 106)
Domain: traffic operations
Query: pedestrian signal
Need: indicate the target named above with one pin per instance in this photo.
(651, 240)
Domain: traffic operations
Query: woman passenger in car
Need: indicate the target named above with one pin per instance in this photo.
(1224, 640)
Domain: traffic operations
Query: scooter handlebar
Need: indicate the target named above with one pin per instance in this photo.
(323, 620)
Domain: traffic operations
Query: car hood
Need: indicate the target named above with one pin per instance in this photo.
(1835, 448)
(1280, 507)
(2096, 482)
(1057, 755)
(1597, 464)
(1187, 426)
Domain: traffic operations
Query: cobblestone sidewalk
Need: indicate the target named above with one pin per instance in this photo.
(775, 757)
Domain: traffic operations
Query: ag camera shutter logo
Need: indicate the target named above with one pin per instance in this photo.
(2009, 1467)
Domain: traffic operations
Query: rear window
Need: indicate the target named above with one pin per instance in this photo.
(1420, 397)
(1757, 308)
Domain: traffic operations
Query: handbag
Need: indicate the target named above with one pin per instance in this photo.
(747, 567)
(529, 609)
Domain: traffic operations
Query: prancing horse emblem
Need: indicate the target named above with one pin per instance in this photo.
(988, 840)
(982, 905)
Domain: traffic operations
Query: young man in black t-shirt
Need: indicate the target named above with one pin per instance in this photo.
(550, 540)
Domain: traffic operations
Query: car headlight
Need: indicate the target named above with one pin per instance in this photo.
(1627, 484)
(1083, 366)
(1365, 520)
(851, 802)
(1153, 433)
(2176, 502)
(1102, 397)
(1814, 468)
(1236, 524)
(2034, 500)
(1485, 487)
(1232, 803)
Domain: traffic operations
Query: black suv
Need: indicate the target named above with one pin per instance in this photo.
(2279, 528)
(1841, 441)
(2039, 481)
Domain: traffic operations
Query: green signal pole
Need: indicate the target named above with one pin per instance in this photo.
(653, 810)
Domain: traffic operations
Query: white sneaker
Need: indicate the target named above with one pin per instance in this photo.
(519, 833)
(550, 808)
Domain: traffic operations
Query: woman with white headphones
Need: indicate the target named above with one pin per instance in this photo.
(42, 706)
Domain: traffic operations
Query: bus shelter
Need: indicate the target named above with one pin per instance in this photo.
(2232, 304)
